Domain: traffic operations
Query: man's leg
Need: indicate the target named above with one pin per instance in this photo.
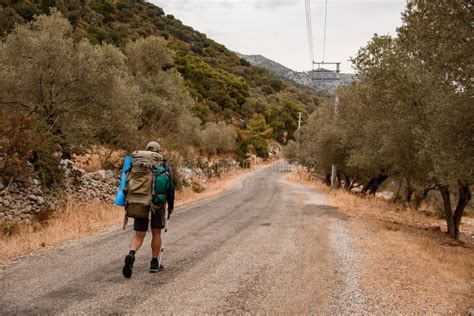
(157, 224)
(156, 242)
(137, 240)
(140, 226)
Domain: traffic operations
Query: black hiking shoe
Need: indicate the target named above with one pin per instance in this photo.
(154, 266)
(127, 268)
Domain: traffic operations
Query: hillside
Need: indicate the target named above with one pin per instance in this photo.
(225, 86)
(320, 80)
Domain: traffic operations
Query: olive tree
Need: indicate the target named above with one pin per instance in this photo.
(163, 99)
(438, 37)
(80, 93)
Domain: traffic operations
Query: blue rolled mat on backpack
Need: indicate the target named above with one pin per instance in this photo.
(120, 198)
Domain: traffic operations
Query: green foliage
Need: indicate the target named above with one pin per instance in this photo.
(217, 86)
(223, 85)
(218, 138)
(256, 134)
(79, 93)
(411, 113)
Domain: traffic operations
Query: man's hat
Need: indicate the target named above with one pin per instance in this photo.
(153, 146)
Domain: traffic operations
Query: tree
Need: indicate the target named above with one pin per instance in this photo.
(163, 99)
(79, 93)
(218, 138)
(438, 37)
(256, 134)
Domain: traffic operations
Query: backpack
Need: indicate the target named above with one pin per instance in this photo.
(145, 185)
(162, 184)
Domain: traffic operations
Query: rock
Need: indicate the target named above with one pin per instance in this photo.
(2, 215)
(9, 217)
(6, 203)
(36, 182)
(32, 197)
(28, 209)
(40, 200)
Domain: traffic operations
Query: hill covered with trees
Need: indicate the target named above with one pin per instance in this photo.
(118, 73)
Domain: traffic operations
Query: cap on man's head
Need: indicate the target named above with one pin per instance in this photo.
(153, 146)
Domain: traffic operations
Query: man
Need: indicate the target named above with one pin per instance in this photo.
(157, 223)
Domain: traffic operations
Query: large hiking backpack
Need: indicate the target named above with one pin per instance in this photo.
(142, 181)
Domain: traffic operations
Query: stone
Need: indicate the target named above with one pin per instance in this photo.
(36, 182)
(32, 197)
(8, 217)
(6, 203)
(109, 174)
(28, 209)
(40, 200)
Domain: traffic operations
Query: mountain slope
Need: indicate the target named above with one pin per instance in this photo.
(320, 80)
(223, 85)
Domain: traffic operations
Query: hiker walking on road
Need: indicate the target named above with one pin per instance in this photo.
(149, 189)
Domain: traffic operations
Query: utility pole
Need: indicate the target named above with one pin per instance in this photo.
(298, 139)
(334, 167)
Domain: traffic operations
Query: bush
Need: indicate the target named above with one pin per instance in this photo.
(218, 138)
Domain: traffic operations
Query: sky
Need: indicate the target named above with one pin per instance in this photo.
(276, 29)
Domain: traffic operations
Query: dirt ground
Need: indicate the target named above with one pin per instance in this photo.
(408, 263)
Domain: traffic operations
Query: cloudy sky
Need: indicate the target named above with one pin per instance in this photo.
(277, 28)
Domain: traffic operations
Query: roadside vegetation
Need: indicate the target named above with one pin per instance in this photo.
(115, 74)
(409, 119)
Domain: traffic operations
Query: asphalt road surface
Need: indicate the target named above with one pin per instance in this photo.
(264, 245)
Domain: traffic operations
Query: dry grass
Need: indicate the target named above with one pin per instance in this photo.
(99, 157)
(378, 208)
(77, 219)
(409, 265)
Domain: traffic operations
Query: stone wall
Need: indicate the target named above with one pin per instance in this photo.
(20, 202)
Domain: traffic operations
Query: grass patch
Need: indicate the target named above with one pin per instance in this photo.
(77, 219)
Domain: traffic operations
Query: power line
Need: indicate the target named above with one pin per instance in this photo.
(309, 30)
(325, 26)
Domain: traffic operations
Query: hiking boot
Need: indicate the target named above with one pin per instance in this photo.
(154, 266)
(127, 268)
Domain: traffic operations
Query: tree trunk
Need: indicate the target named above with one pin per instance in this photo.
(373, 185)
(327, 179)
(367, 186)
(445, 194)
(408, 194)
(347, 182)
(453, 221)
(463, 200)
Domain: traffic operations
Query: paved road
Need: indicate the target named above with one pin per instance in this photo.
(264, 245)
